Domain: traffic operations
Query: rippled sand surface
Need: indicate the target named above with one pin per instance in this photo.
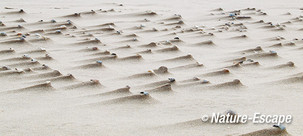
(135, 67)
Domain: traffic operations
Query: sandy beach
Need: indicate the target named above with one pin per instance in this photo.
(112, 68)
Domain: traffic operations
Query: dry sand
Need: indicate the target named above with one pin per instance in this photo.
(81, 66)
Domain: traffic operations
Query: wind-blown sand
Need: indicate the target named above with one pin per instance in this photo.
(78, 67)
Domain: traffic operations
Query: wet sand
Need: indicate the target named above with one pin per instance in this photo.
(148, 67)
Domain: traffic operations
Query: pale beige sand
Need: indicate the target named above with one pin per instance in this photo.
(52, 84)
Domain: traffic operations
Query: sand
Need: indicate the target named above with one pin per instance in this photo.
(135, 67)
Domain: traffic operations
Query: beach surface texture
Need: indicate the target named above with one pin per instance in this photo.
(149, 68)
